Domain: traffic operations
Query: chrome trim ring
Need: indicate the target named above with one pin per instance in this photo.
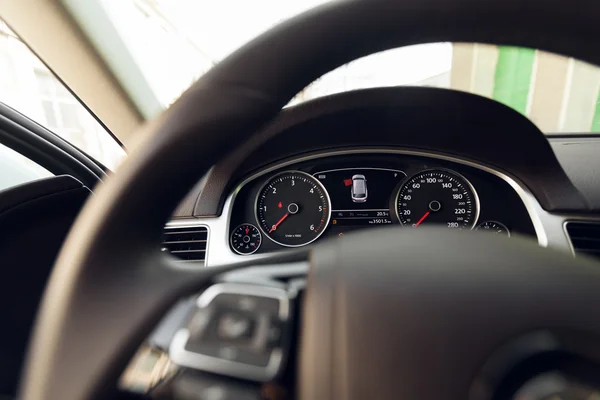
(231, 239)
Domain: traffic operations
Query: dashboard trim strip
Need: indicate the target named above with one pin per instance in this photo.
(352, 168)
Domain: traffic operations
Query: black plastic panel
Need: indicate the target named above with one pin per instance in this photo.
(34, 221)
(580, 158)
(438, 120)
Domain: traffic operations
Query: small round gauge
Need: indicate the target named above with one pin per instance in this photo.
(293, 209)
(246, 239)
(494, 227)
(437, 197)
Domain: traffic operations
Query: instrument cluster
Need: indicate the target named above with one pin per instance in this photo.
(298, 203)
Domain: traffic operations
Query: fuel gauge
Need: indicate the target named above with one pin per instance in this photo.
(494, 227)
(246, 239)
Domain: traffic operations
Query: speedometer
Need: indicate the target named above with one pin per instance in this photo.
(293, 209)
(437, 197)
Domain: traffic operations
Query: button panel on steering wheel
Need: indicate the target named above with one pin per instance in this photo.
(237, 330)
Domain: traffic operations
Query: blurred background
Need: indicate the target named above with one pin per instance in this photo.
(158, 48)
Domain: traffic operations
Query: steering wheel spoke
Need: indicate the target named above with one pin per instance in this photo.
(238, 330)
(235, 334)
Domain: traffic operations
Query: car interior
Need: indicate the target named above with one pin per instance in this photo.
(381, 242)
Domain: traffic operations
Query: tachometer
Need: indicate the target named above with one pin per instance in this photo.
(437, 197)
(293, 209)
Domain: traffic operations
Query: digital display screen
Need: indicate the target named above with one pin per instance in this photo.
(360, 196)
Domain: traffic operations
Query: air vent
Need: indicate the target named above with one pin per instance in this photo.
(585, 237)
(188, 243)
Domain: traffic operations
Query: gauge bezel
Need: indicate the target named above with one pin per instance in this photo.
(444, 170)
(233, 232)
(312, 178)
(495, 222)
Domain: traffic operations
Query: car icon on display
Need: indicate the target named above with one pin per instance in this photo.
(359, 189)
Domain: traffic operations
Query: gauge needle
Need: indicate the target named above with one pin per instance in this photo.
(279, 222)
(422, 218)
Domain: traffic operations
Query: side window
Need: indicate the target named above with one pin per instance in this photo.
(16, 169)
(27, 86)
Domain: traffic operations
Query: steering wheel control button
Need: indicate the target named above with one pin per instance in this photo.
(235, 326)
(236, 330)
(246, 239)
(247, 303)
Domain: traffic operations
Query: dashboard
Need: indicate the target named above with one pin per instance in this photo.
(390, 158)
(330, 195)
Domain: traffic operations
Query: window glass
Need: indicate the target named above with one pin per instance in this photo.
(173, 42)
(29, 87)
(16, 169)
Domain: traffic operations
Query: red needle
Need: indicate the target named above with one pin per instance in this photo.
(422, 218)
(279, 222)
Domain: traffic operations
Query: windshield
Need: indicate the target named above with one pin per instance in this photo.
(27, 86)
(173, 42)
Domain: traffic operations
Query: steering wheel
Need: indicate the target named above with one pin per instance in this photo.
(414, 314)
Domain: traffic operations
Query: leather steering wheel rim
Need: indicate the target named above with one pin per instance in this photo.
(84, 334)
